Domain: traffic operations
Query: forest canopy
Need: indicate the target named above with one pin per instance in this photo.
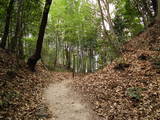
(77, 35)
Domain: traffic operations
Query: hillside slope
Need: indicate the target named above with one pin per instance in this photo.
(21, 90)
(129, 88)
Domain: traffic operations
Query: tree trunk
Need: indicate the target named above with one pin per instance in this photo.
(55, 59)
(104, 27)
(74, 65)
(102, 16)
(20, 41)
(155, 6)
(147, 9)
(158, 11)
(37, 55)
(6, 29)
(17, 35)
(90, 60)
(109, 19)
(68, 58)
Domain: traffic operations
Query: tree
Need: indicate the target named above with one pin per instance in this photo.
(158, 11)
(102, 15)
(17, 36)
(7, 24)
(155, 6)
(37, 55)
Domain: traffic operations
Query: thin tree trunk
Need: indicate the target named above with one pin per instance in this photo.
(55, 59)
(103, 23)
(68, 58)
(90, 59)
(37, 55)
(147, 9)
(158, 11)
(21, 42)
(155, 6)
(7, 25)
(102, 16)
(17, 36)
(74, 65)
(106, 3)
(57, 48)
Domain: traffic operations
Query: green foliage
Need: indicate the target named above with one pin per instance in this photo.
(7, 97)
(127, 20)
(29, 46)
(72, 24)
(135, 93)
(74, 29)
(3, 7)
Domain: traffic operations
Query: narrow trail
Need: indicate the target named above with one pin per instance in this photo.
(66, 104)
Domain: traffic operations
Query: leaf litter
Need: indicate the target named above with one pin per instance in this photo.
(129, 88)
(21, 90)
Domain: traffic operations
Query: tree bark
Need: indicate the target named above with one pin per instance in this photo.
(109, 19)
(21, 42)
(147, 9)
(37, 55)
(68, 58)
(74, 65)
(103, 23)
(7, 25)
(55, 60)
(158, 12)
(102, 16)
(155, 6)
(18, 29)
(90, 59)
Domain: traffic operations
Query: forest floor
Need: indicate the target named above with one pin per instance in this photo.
(21, 90)
(127, 89)
(65, 103)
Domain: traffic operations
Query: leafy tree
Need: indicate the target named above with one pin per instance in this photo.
(7, 24)
(81, 35)
(37, 55)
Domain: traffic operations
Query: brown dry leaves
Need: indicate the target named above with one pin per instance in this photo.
(20, 89)
(133, 93)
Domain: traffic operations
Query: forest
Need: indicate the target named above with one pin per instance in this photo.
(107, 51)
(81, 35)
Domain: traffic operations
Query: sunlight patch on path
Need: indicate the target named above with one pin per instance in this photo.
(65, 103)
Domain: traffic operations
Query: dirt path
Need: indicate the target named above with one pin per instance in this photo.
(66, 104)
